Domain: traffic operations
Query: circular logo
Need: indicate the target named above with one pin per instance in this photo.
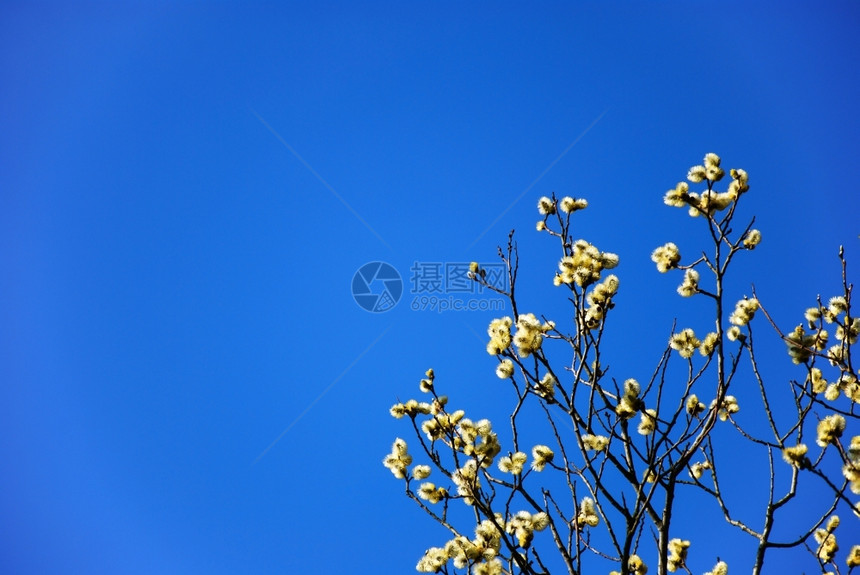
(377, 287)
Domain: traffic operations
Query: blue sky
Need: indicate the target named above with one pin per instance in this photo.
(187, 190)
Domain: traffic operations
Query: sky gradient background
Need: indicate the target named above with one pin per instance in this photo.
(187, 190)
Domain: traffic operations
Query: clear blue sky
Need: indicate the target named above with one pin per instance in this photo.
(187, 190)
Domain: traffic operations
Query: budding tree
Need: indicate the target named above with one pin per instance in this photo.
(596, 469)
